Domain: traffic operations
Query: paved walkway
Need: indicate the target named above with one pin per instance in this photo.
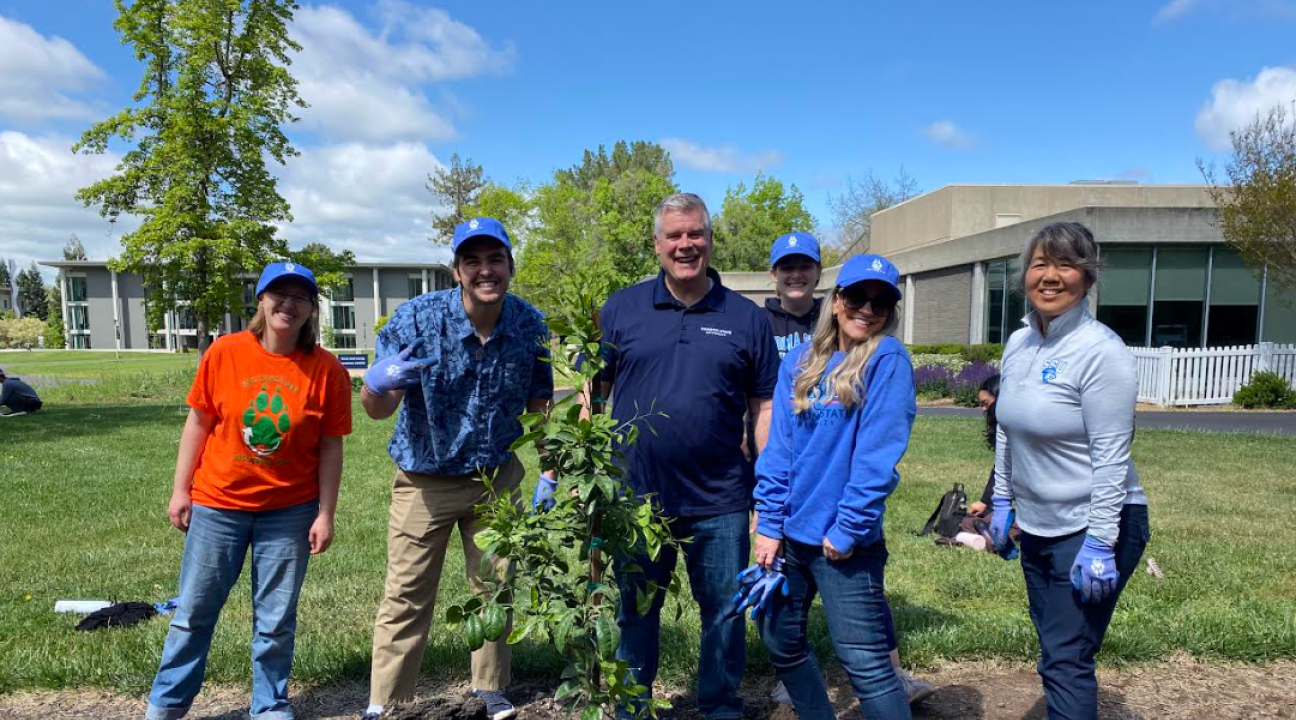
(1264, 423)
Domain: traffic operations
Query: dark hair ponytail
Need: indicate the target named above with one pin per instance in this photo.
(991, 386)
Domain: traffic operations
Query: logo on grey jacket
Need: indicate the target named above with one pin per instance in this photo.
(1052, 370)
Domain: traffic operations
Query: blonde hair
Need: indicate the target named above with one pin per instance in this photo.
(847, 379)
(306, 339)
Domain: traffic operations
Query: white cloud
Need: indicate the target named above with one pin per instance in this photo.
(37, 72)
(1234, 104)
(1173, 10)
(39, 177)
(369, 199)
(946, 134)
(725, 159)
(368, 85)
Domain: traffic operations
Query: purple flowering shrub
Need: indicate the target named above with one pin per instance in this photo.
(967, 383)
(935, 380)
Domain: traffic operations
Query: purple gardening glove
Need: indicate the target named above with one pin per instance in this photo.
(1000, 522)
(758, 586)
(1094, 573)
(396, 372)
(543, 498)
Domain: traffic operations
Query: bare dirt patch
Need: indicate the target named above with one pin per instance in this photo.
(1180, 689)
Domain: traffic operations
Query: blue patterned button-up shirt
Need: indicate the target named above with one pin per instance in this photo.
(465, 416)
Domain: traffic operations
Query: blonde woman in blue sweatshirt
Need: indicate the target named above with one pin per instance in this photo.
(844, 407)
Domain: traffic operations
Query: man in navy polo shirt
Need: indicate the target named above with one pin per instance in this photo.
(703, 355)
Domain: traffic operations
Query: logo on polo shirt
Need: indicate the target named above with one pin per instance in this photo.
(1052, 370)
(718, 332)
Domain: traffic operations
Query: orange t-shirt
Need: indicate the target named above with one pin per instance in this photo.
(271, 412)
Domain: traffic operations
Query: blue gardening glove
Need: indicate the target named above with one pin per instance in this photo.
(1094, 573)
(396, 372)
(542, 500)
(1000, 522)
(758, 586)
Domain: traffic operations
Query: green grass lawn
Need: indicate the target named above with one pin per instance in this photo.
(84, 486)
(84, 364)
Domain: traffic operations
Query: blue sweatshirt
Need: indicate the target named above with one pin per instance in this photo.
(827, 472)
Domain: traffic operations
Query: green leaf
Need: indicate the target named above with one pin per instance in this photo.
(592, 712)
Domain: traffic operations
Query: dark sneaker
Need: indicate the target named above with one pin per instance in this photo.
(497, 706)
(370, 716)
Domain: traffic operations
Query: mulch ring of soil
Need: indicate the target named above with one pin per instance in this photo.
(1178, 689)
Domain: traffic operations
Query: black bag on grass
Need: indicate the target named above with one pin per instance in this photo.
(119, 615)
(949, 512)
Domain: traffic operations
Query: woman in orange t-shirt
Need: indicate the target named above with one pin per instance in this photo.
(259, 467)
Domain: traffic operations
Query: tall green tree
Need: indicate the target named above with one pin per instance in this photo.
(750, 220)
(31, 293)
(4, 273)
(852, 211)
(209, 112)
(330, 267)
(512, 206)
(1257, 203)
(455, 189)
(596, 216)
(73, 249)
(55, 333)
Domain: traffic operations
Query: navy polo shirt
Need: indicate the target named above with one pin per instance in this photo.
(698, 365)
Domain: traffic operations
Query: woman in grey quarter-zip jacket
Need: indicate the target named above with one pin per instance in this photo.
(1063, 467)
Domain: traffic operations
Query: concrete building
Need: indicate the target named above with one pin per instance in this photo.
(105, 309)
(1169, 279)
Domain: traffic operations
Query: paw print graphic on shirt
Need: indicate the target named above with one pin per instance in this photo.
(265, 422)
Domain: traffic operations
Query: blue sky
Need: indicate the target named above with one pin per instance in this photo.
(812, 93)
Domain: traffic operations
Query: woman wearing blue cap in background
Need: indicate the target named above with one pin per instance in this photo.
(259, 467)
(1062, 453)
(795, 268)
(843, 411)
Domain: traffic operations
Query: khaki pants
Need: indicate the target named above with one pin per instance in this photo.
(424, 509)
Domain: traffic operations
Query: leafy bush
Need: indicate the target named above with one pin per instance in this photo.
(935, 380)
(380, 323)
(55, 339)
(357, 383)
(986, 353)
(20, 333)
(953, 362)
(1266, 390)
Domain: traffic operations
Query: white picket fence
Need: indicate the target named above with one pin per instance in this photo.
(1207, 376)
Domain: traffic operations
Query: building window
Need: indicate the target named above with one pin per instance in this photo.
(77, 291)
(343, 341)
(415, 285)
(1005, 305)
(1234, 300)
(80, 342)
(78, 318)
(344, 292)
(185, 319)
(1279, 315)
(1178, 305)
(344, 318)
(249, 299)
(1123, 291)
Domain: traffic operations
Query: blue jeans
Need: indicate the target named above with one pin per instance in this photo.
(716, 554)
(215, 546)
(859, 621)
(1071, 632)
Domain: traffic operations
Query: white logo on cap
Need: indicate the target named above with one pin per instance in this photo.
(289, 267)
(877, 265)
(792, 241)
(472, 225)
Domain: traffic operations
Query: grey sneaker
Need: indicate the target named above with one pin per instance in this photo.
(917, 690)
(780, 694)
(369, 716)
(497, 706)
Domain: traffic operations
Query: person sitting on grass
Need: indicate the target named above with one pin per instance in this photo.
(974, 528)
(17, 396)
(258, 470)
(844, 409)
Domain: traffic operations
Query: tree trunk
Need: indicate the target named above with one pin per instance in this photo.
(204, 338)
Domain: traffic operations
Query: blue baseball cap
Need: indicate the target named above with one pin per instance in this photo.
(794, 244)
(276, 270)
(869, 267)
(480, 227)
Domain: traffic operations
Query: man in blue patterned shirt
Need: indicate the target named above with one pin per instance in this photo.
(460, 365)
